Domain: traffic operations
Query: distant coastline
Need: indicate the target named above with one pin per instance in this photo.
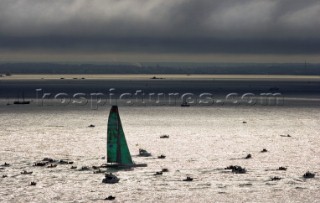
(163, 68)
(232, 77)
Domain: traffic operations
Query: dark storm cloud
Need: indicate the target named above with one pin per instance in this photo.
(180, 26)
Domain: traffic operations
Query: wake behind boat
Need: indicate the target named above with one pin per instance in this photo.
(118, 154)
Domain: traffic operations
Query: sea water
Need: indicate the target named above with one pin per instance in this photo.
(202, 142)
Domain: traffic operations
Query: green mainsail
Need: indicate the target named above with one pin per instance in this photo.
(117, 148)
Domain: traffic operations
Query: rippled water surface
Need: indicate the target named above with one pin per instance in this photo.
(203, 141)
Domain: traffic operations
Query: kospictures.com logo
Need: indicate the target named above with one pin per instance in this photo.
(141, 98)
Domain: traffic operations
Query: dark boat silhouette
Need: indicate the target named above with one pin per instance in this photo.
(21, 102)
(185, 104)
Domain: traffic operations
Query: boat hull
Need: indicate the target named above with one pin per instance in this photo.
(124, 166)
(23, 102)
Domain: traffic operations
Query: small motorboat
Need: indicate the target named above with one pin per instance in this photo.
(161, 156)
(264, 150)
(110, 197)
(185, 104)
(164, 170)
(21, 102)
(144, 153)
(84, 168)
(188, 179)
(99, 171)
(52, 166)
(281, 168)
(164, 136)
(158, 173)
(110, 179)
(5, 164)
(309, 175)
(50, 160)
(26, 173)
(65, 162)
(275, 178)
(41, 163)
(288, 135)
(236, 169)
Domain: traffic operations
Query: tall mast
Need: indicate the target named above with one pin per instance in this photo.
(118, 140)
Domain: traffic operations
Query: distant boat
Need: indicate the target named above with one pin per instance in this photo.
(144, 153)
(21, 102)
(118, 154)
(185, 104)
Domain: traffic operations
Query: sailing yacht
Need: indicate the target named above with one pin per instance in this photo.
(118, 154)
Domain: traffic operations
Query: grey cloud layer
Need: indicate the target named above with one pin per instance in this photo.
(184, 26)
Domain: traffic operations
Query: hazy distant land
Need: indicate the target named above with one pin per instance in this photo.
(157, 77)
(163, 68)
(298, 90)
(300, 82)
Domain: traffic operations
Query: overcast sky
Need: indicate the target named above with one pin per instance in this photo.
(160, 30)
